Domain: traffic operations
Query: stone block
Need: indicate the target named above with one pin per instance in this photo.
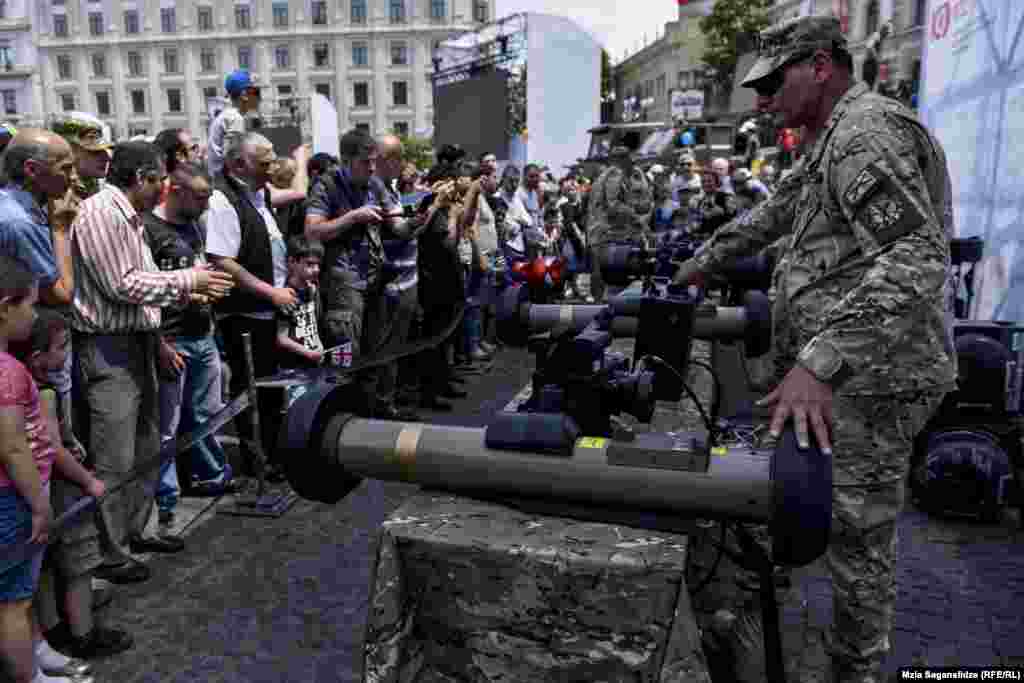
(475, 591)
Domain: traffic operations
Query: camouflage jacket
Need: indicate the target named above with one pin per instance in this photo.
(620, 206)
(860, 287)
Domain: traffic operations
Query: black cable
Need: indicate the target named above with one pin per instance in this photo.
(716, 399)
(711, 427)
(720, 546)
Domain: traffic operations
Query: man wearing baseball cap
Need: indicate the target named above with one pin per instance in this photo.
(862, 327)
(245, 97)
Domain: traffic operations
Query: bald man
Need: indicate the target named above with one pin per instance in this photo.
(39, 168)
(243, 239)
(391, 322)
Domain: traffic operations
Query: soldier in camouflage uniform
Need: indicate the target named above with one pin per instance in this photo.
(620, 208)
(862, 326)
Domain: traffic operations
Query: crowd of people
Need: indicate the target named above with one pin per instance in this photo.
(130, 273)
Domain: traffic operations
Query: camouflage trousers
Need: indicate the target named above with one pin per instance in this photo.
(872, 445)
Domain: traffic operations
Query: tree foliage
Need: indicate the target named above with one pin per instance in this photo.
(418, 150)
(730, 22)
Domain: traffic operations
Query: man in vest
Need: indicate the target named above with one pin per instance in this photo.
(243, 239)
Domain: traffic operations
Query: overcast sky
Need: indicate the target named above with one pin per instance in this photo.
(616, 24)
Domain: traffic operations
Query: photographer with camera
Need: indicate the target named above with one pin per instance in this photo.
(863, 333)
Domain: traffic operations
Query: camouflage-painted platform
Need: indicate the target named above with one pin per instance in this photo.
(466, 590)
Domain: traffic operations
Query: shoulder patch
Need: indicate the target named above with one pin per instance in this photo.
(866, 183)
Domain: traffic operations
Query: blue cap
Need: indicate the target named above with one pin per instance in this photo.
(237, 82)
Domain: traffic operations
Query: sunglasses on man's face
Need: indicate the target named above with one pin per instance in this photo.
(772, 83)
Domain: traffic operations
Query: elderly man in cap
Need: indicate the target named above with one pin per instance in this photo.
(621, 206)
(863, 335)
(230, 123)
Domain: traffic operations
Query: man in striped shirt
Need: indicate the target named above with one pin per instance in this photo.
(399, 303)
(116, 319)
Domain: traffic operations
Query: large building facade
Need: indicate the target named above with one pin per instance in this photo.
(146, 65)
(644, 81)
(20, 86)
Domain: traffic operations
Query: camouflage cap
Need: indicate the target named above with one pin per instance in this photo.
(85, 134)
(787, 42)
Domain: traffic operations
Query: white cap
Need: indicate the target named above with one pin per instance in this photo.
(657, 169)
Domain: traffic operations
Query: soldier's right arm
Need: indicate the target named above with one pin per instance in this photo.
(754, 230)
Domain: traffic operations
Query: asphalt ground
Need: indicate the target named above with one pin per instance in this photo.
(261, 599)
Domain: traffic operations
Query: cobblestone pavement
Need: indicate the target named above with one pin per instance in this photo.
(260, 600)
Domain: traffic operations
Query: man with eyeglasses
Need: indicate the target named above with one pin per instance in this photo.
(863, 335)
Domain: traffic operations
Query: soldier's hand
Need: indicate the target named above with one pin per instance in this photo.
(214, 284)
(808, 401)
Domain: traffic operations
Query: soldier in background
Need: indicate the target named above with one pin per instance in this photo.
(863, 328)
(620, 209)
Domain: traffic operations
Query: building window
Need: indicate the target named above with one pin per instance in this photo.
(399, 54)
(319, 12)
(67, 101)
(361, 94)
(360, 54)
(401, 128)
(323, 89)
(134, 64)
(95, 23)
(131, 21)
(358, 11)
(321, 56)
(871, 18)
(243, 17)
(10, 102)
(207, 60)
(284, 96)
(209, 91)
(134, 131)
(171, 61)
(245, 58)
(7, 60)
(103, 103)
(99, 65)
(280, 11)
(138, 101)
(438, 11)
(365, 127)
(205, 19)
(400, 94)
(64, 67)
(3, 12)
(282, 57)
(480, 11)
(168, 22)
(60, 25)
(397, 11)
(174, 100)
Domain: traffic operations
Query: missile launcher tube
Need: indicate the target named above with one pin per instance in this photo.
(737, 485)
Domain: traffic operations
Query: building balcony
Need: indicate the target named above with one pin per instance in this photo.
(17, 70)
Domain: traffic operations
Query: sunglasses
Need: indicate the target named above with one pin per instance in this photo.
(772, 83)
